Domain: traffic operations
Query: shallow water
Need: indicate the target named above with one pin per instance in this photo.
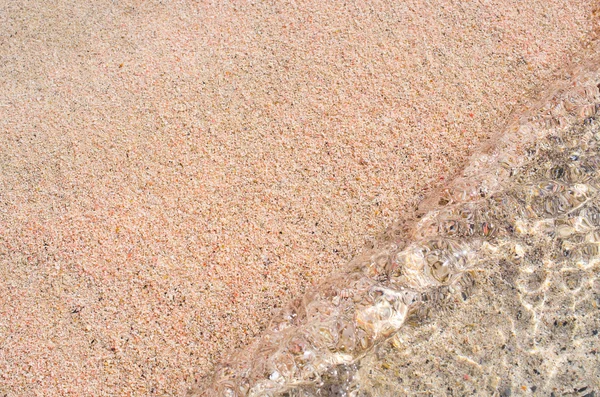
(490, 289)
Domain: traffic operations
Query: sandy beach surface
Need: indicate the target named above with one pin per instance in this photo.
(171, 173)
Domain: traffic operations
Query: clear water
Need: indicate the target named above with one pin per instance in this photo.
(491, 289)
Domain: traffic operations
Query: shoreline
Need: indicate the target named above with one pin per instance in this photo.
(171, 174)
(503, 225)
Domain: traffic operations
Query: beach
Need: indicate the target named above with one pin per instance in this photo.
(172, 173)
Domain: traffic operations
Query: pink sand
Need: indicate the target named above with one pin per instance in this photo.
(172, 172)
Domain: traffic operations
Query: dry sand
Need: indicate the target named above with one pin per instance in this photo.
(170, 173)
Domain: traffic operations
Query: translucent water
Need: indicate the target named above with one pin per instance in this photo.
(490, 289)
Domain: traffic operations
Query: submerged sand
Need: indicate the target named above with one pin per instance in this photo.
(171, 173)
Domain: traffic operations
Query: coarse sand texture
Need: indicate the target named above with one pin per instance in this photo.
(172, 172)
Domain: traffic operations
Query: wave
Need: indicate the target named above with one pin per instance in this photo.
(490, 288)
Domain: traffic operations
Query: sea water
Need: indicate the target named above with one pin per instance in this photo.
(491, 288)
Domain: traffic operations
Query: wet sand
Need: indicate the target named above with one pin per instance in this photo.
(171, 173)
